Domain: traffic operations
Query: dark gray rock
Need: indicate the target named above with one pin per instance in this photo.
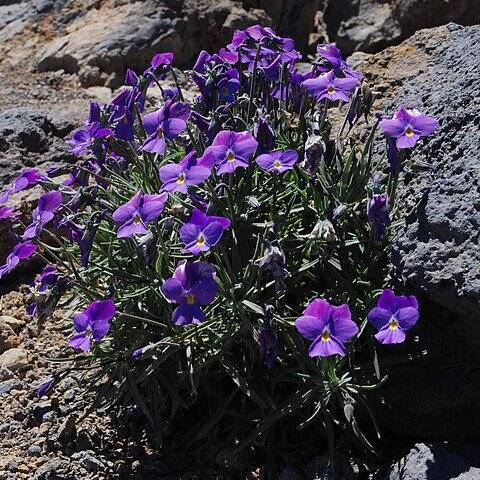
(432, 392)
(437, 461)
(34, 450)
(88, 461)
(8, 385)
(371, 25)
(54, 469)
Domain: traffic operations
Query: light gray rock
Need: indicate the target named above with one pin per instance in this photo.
(14, 359)
(425, 462)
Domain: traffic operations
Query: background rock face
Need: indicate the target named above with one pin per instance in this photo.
(437, 71)
(371, 25)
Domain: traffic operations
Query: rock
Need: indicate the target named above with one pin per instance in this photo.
(34, 450)
(12, 322)
(287, 474)
(8, 385)
(14, 359)
(67, 430)
(8, 339)
(346, 468)
(83, 441)
(437, 461)
(437, 251)
(372, 25)
(54, 469)
(88, 461)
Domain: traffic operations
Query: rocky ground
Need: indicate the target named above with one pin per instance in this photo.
(58, 55)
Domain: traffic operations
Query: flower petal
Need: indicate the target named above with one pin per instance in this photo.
(173, 290)
(388, 301)
(389, 335)
(321, 348)
(407, 317)
(205, 291)
(80, 341)
(319, 308)
(153, 206)
(310, 327)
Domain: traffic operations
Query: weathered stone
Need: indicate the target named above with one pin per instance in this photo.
(435, 394)
(14, 359)
(425, 462)
(8, 385)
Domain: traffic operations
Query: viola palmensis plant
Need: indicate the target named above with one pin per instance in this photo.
(227, 255)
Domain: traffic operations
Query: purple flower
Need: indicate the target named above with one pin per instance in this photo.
(7, 212)
(377, 213)
(190, 171)
(408, 126)
(228, 84)
(392, 316)
(159, 64)
(20, 252)
(45, 387)
(331, 87)
(268, 346)
(27, 178)
(166, 123)
(265, 136)
(277, 161)
(202, 232)
(83, 140)
(139, 210)
(328, 326)
(230, 150)
(336, 63)
(192, 285)
(48, 204)
(93, 322)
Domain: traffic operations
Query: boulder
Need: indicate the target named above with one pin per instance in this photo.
(432, 392)
(14, 359)
(437, 461)
(371, 25)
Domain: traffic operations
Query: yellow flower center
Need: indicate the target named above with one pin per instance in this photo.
(325, 336)
(393, 325)
(231, 157)
(125, 119)
(277, 164)
(330, 90)
(181, 179)
(409, 132)
(137, 219)
(160, 133)
(190, 299)
(201, 240)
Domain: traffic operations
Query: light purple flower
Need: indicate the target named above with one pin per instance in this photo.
(92, 323)
(20, 252)
(230, 150)
(328, 326)
(408, 126)
(83, 140)
(166, 123)
(192, 285)
(392, 316)
(48, 204)
(27, 178)
(277, 161)
(331, 87)
(190, 171)
(7, 213)
(139, 210)
(202, 232)
(377, 213)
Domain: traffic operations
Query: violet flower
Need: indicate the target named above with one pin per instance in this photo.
(231, 150)
(268, 346)
(28, 177)
(190, 171)
(328, 326)
(278, 161)
(92, 323)
(336, 63)
(139, 210)
(48, 204)
(392, 316)
(45, 387)
(83, 140)
(202, 232)
(166, 123)
(192, 285)
(408, 126)
(20, 252)
(7, 213)
(377, 213)
(273, 261)
(330, 87)
(265, 135)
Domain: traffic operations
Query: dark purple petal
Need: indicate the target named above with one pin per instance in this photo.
(101, 310)
(407, 317)
(212, 233)
(180, 110)
(130, 228)
(387, 301)
(81, 322)
(186, 314)
(319, 308)
(49, 202)
(173, 127)
(173, 290)
(151, 122)
(100, 328)
(341, 326)
(379, 317)
(205, 291)
(310, 327)
(124, 214)
(189, 233)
